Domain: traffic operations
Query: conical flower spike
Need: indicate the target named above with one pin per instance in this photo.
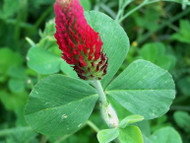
(79, 43)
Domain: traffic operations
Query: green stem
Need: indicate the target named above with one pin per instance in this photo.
(22, 24)
(21, 16)
(108, 10)
(43, 16)
(146, 2)
(150, 2)
(183, 108)
(43, 139)
(180, 100)
(172, 20)
(5, 132)
(108, 112)
(32, 44)
(122, 7)
(100, 91)
(133, 10)
(93, 126)
(120, 10)
(97, 6)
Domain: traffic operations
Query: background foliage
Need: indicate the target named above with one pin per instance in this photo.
(158, 33)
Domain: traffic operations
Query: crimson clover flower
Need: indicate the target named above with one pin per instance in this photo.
(79, 43)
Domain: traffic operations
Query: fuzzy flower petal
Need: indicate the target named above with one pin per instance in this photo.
(79, 43)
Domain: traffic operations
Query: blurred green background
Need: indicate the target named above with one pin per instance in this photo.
(158, 32)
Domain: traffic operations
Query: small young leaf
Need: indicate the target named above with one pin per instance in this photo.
(131, 134)
(65, 68)
(184, 84)
(60, 105)
(182, 119)
(144, 126)
(146, 139)
(183, 35)
(9, 8)
(144, 89)
(166, 135)
(16, 85)
(130, 119)
(86, 4)
(107, 135)
(43, 61)
(49, 30)
(19, 135)
(17, 72)
(12, 101)
(156, 53)
(9, 59)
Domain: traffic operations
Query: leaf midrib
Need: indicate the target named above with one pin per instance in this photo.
(62, 106)
(125, 90)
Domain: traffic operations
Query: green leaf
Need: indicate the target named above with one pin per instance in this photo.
(151, 13)
(156, 53)
(120, 110)
(16, 85)
(144, 126)
(184, 84)
(19, 135)
(65, 68)
(146, 139)
(9, 8)
(107, 135)
(17, 72)
(59, 105)
(12, 101)
(182, 119)
(166, 135)
(131, 134)
(43, 61)
(49, 30)
(183, 35)
(129, 120)
(115, 41)
(180, 38)
(86, 4)
(152, 51)
(9, 59)
(144, 89)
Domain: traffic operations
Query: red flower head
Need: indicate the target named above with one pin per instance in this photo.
(80, 44)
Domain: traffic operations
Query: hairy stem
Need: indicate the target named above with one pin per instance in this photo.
(172, 20)
(108, 112)
(93, 126)
(122, 7)
(146, 2)
(43, 16)
(132, 11)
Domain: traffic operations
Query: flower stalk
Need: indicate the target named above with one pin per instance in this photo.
(107, 111)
